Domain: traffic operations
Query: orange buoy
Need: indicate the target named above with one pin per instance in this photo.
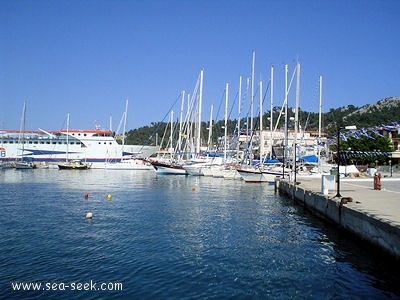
(86, 195)
(193, 189)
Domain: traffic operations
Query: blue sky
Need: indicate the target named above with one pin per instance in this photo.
(86, 57)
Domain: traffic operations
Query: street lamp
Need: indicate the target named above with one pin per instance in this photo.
(338, 157)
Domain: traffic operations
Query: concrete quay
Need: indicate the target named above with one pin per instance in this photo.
(372, 215)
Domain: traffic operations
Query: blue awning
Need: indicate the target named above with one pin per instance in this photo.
(309, 158)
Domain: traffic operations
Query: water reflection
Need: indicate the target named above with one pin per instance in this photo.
(179, 237)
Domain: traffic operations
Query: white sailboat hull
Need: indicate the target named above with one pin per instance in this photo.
(130, 164)
(252, 175)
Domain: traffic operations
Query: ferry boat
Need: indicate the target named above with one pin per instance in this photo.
(95, 146)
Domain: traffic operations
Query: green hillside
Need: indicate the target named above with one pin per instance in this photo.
(384, 111)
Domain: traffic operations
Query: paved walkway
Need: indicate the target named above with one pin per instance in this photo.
(381, 204)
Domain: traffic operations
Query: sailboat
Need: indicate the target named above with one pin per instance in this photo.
(25, 162)
(130, 163)
(267, 171)
(75, 164)
(174, 165)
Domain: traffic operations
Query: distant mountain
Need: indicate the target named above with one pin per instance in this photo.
(384, 111)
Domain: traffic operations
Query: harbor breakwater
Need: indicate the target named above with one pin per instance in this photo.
(371, 227)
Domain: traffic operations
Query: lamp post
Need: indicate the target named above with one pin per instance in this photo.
(295, 165)
(338, 157)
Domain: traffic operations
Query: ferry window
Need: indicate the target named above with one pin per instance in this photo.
(36, 142)
(105, 143)
(41, 142)
(84, 134)
(54, 143)
(110, 143)
(72, 143)
(47, 142)
(30, 142)
(99, 143)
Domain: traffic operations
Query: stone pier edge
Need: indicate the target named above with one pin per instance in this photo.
(365, 226)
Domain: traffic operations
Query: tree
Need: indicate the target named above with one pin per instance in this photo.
(364, 150)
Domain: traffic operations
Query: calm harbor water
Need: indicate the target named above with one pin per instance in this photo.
(174, 237)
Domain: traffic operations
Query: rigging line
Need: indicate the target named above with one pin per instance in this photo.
(233, 104)
(285, 99)
(252, 132)
(159, 124)
(163, 137)
(220, 104)
(230, 112)
(306, 124)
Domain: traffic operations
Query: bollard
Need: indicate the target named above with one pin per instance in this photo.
(379, 185)
(276, 184)
(377, 181)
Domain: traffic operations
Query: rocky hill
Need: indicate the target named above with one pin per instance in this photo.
(384, 111)
(383, 106)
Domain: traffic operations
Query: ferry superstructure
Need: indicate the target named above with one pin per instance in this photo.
(96, 146)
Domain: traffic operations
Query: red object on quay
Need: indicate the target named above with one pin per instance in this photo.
(377, 181)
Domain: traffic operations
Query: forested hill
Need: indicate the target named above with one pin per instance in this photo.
(384, 111)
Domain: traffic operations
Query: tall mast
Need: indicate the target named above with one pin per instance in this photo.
(172, 128)
(296, 112)
(210, 128)
(320, 108)
(286, 115)
(180, 121)
(188, 123)
(226, 119)
(271, 109)
(123, 134)
(239, 112)
(21, 136)
(261, 140)
(199, 113)
(319, 122)
(252, 91)
(247, 117)
(66, 159)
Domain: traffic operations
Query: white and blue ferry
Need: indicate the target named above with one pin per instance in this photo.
(96, 146)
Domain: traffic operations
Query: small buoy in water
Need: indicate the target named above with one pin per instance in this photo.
(193, 189)
(89, 215)
(86, 195)
(109, 197)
